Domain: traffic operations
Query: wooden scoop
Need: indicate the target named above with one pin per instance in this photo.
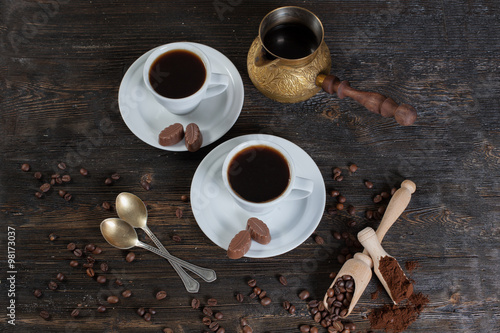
(359, 267)
(395, 281)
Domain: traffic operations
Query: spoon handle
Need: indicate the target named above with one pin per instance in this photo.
(191, 284)
(205, 273)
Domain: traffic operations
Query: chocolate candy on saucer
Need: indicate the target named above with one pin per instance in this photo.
(239, 245)
(171, 135)
(258, 231)
(193, 138)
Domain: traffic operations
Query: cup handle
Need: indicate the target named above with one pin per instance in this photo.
(217, 85)
(302, 188)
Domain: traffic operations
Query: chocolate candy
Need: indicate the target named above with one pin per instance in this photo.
(258, 230)
(193, 138)
(239, 245)
(171, 135)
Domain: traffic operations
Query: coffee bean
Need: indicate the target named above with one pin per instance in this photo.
(101, 279)
(106, 205)
(90, 259)
(282, 280)
(108, 181)
(385, 195)
(25, 167)
(45, 188)
(252, 295)
(252, 283)
(89, 247)
(162, 294)
(39, 195)
(53, 285)
(377, 198)
(257, 291)
(336, 171)
(313, 311)
(221, 330)
(45, 315)
(112, 299)
(345, 235)
(207, 311)
(351, 223)
(147, 316)
(61, 166)
(393, 190)
(90, 272)
(369, 214)
(334, 193)
(351, 210)
(176, 238)
(61, 193)
(304, 294)
(37, 175)
(68, 197)
(52, 237)
(341, 199)
(292, 309)
(265, 301)
(71, 246)
(88, 265)
(168, 330)
(350, 326)
(84, 172)
(339, 178)
(184, 198)
(101, 308)
(212, 302)
(115, 176)
(353, 168)
(219, 316)
(104, 267)
(314, 330)
(243, 322)
(305, 328)
(331, 211)
(126, 293)
(240, 298)
(141, 311)
(145, 185)
(97, 250)
(60, 277)
(178, 213)
(118, 282)
(75, 313)
(319, 240)
(73, 263)
(206, 321)
(214, 326)
(262, 294)
(66, 178)
(341, 259)
(330, 292)
(130, 257)
(368, 184)
(247, 329)
(332, 275)
(337, 235)
(38, 293)
(286, 305)
(317, 317)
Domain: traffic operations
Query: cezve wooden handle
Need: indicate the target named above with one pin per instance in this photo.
(404, 114)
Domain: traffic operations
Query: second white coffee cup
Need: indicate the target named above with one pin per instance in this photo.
(256, 189)
(213, 83)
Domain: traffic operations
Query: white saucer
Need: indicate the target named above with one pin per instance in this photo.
(220, 218)
(214, 116)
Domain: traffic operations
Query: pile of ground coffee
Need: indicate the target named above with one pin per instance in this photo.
(401, 288)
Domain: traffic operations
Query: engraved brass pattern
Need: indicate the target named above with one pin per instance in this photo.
(283, 81)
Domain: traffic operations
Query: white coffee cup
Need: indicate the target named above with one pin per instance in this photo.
(214, 84)
(297, 188)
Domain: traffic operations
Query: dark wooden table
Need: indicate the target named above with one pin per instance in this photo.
(60, 68)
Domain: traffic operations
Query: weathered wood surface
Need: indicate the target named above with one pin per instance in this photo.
(60, 67)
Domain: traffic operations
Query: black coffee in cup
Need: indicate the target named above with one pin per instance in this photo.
(177, 74)
(259, 173)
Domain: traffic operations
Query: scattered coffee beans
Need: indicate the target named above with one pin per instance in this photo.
(75, 313)
(130, 257)
(90, 272)
(101, 308)
(304, 294)
(353, 168)
(161, 295)
(240, 298)
(60, 277)
(252, 283)
(147, 316)
(84, 172)
(282, 280)
(25, 167)
(37, 175)
(45, 315)
(212, 302)
(265, 301)
(176, 238)
(141, 311)
(73, 263)
(178, 213)
(38, 293)
(45, 188)
(53, 285)
(126, 293)
(195, 303)
(101, 279)
(112, 299)
(319, 240)
(106, 205)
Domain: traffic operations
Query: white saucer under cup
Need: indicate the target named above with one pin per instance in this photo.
(220, 218)
(214, 116)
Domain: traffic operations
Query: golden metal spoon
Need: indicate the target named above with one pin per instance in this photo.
(359, 267)
(122, 235)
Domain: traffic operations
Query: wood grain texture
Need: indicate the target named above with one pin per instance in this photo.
(61, 64)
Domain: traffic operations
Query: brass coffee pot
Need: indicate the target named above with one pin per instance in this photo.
(289, 62)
